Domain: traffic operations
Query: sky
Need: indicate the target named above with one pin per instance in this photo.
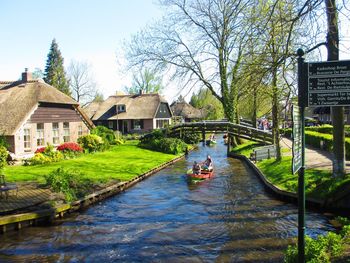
(85, 30)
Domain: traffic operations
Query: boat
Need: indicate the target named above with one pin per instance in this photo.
(203, 175)
(210, 142)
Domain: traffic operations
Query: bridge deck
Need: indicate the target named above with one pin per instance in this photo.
(242, 131)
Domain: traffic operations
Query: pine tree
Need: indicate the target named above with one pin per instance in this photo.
(54, 71)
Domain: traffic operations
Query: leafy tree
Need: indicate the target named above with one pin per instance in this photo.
(54, 71)
(81, 81)
(145, 81)
(206, 101)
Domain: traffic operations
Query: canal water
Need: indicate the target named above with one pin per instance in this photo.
(229, 218)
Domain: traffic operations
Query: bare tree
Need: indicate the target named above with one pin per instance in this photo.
(82, 84)
(201, 42)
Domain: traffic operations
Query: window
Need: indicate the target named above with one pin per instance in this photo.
(40, 134)
(80, 130)
(162, 123)
(110, 124)
(27, 143)
(121, 108)
(55, 133)
(137, 124)
(66, 133)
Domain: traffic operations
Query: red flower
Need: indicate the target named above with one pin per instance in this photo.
(70, 146)
(40, 150)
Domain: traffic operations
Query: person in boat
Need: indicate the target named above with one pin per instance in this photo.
(208, 164)
(196, 168)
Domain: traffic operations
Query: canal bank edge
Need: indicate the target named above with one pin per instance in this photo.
(45, 216)
(334, 205)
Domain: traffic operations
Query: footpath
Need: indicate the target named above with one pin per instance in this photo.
(314, 158)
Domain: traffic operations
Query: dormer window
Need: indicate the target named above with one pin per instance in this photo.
(121, 108)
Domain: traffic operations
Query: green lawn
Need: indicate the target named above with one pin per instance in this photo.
(122, 162)
(246, 148)
(318, 183)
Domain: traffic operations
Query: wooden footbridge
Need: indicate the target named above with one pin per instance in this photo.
(242, 131)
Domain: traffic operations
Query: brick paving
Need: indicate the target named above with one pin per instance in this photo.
(28, 195)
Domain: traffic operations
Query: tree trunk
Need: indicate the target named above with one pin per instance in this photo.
(337, 112)
(275, 119)
(254, 115)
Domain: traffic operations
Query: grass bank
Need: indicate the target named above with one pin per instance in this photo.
(318, 183)
(122, 162)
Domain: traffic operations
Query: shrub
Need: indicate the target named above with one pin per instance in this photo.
(118, 142)
(91, 142)
(166, 145)
(106, 134)
(3, 157)
(68, 182)
(191, 137)
(3, 141)
(133, 136)
(61, 181)
(38, 158)
(322, 249)
(155, 135)
(45, 155)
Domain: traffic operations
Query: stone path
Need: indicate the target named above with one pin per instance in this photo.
(28, 196)
(314, 158)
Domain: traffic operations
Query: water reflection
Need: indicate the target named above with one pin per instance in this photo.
(229, 218)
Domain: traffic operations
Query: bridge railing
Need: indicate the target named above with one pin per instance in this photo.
(242, 131)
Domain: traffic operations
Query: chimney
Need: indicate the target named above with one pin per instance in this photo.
(26, 75)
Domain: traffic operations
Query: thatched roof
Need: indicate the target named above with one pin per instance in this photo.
(186, 110)
(18, 99)
(138, 106)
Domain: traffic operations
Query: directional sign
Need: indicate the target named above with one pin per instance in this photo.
(297, 139)
(329, 83)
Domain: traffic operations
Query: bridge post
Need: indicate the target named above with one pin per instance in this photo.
(228, 144)
(203, 137)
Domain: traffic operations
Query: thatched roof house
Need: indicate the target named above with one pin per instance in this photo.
(186, 111)
(27, 106)
(131, 113)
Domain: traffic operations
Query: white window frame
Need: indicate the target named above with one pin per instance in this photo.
(55, 133)
(27, 140)
(66, 132)
(40, 139)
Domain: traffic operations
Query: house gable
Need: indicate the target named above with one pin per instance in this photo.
(163, 111)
